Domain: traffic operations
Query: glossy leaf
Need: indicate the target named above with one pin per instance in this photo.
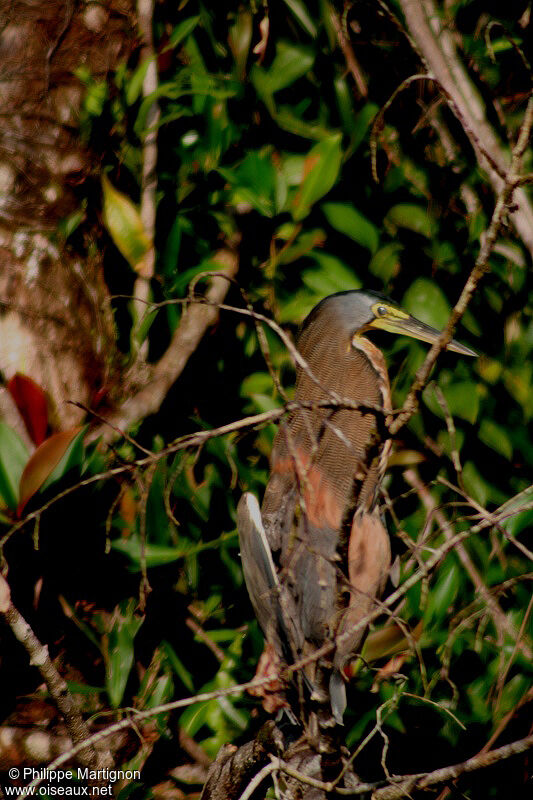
(124, 223)
(182, 30)
(13, 459)
(426, 301)
(462, 400)
(31, 402)
(135, 83)
(321, 169)
(43, 463)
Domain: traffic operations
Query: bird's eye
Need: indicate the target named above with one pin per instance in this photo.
(381, 310)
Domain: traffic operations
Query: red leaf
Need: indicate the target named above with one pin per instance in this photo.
(31, 402)
(43, 461)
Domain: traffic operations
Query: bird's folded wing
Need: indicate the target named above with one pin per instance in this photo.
(272, 603)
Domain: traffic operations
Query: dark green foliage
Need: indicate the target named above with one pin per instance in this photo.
(274, 153)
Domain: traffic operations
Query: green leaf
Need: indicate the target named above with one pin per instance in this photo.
(385, 263)
(289, 121)
(13, 458)
(182, 30)
(290, 63)
(462, 399)
(177, 665)
(158, 525)
(253, 182)
(321, 169)
(362, 123)
(413, 218)
(496, 437)
(52, 459)
(72, 458)
(348, 220)
(257, 383)
(156, 555)
(340, 275)
(135, 83)
(300, 12)
(427, 302)
(95, 99)
(303, 245)
(334, 276)
(475, 484)
(118, 649)
(444, 592)
(123, 221)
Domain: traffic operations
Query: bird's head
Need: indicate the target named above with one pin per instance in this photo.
(360, 311)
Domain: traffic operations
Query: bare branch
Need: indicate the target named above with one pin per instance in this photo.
(437, 49)
(141, 289)
(142, 401)
(480, 268)
(88, 755)
(407, 784)
(501, 622)
(136, 716)
(349, 55)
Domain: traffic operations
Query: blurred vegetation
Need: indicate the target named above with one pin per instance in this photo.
(264, 145)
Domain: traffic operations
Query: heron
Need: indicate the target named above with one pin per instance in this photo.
(316, 555)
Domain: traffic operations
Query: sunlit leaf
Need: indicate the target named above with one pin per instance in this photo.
(426, 301)
(135, 84)
(462, 400)
(182, 30)
(321, 169)
(124, 223)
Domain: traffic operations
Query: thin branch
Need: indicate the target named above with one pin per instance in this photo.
(406, 784)
(88, 755)
(480, 268)
(501, 622)
(137, 716)
(259, 777)
(437, 50)
(349, 55)
(154, 385)
(141, 289)
(521, 502)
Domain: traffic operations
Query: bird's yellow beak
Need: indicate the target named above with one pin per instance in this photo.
(401, 323)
